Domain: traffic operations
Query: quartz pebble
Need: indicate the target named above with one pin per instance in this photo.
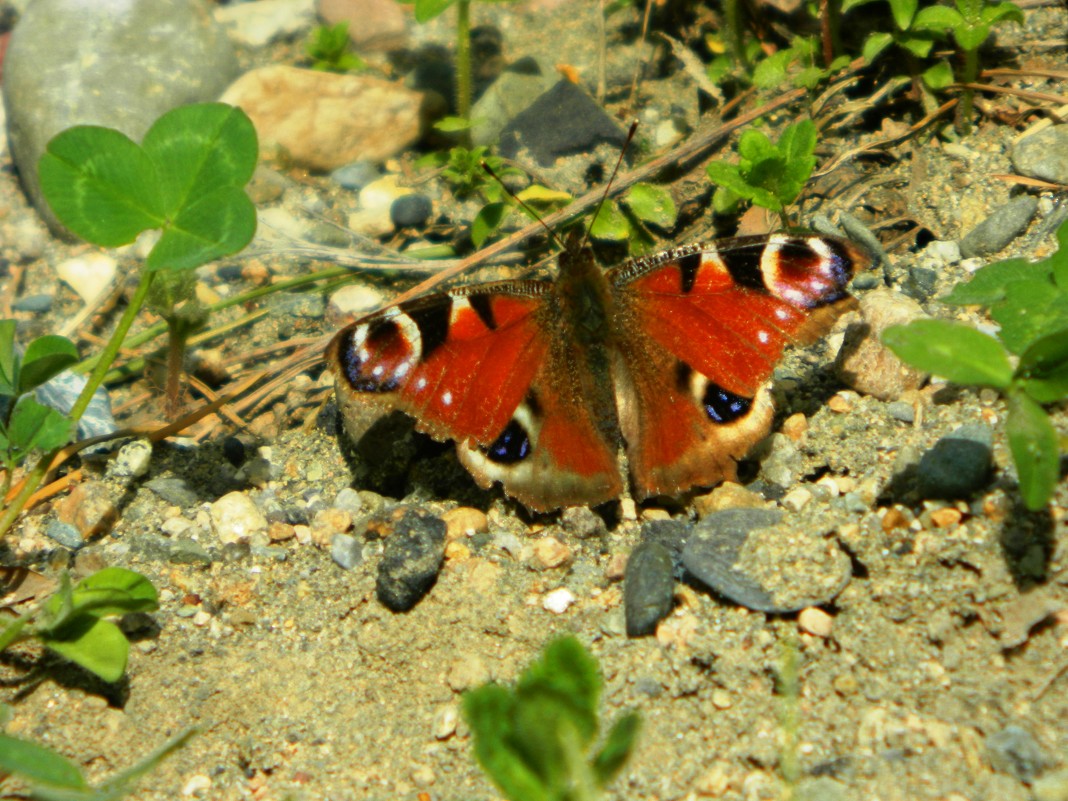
(558, 600)
(235, 518)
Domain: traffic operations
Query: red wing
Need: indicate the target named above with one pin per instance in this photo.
(705, 327)
(481, 367)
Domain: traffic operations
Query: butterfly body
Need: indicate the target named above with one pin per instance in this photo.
(545, 385)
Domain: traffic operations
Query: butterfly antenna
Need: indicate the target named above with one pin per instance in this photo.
(533, 214)
(611, 178)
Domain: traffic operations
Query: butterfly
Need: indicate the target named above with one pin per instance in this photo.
(653, 374)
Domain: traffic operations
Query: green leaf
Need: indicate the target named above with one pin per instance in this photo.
(919, 46)
(652, 204)
(34, 426)
(487, 221)
(1058, 262)
(849, 5)
(953, 350)
(874, 45)
(101, 185)
(200, 149)
(1030, 310)
(617, 748)
(610, 225)
(453, 124)
(488, 711)
(1002, 12)
(724, 201)
(567, 668)
(115, 591)
(771, 71)
(988, 284)
(970, 36)
(97, 645)
(903, 11)
(937, 19)
(754, 147)
(45, 358)
(938, 76)
(1033, 442)
(1043, 368)
(428, 9)
(38, 764)
(211, 226)
(9, 360)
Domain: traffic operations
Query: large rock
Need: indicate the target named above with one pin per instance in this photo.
(322, 120)
(108, 62)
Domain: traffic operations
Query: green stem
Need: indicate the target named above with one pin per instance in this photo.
(971, 70)
(96, 378)
(734, 31)
(179, 335)
(463, 59)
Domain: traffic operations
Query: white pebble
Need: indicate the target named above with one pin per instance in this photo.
(558, 600)
(90, 275)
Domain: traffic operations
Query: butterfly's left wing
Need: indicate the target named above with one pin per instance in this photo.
(701, 329)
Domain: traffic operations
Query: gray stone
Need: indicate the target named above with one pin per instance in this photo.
(957, 465)
(260, 23)
(110, 62)
(648, 588)
(356, 175)
(132, 460)
(1014, 751)
(1043, 155)
(753, 558)
(349, 500)
(562, 122)
(65, 534)
(901, 411)
(33, 303)
(413, 556)
(780, 463)
(346, 551)
(174, 491)
(411, 211)
(61, 392)
(513, 91)
(1003, 225)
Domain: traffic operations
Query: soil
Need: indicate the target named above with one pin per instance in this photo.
(301, 685)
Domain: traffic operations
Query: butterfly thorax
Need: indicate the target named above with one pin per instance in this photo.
(584, 298)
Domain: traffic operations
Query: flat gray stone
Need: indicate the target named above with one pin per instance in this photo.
(121, 64)
(1003, 225)
(1043, 155)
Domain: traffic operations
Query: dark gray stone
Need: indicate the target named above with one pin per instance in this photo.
(921, 283)
(648, 588)
(413, 556)
(1000, 228)
(958, 465)
(1014, 751)
(671, 534)
(513, 91)
(901, 411)
(562, 122)
(1043, 155)
(753, 558)
(121, 65)
(411, 211)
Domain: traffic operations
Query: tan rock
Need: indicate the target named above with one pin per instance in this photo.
(864, 363)
(322, 120)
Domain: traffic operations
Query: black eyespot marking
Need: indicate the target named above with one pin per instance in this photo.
(433, 323)
(683, 372)
(533, 403)
(511, 447)
(688, 267)
(723, 406)
(380, 337)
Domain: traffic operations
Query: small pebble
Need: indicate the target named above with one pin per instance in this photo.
(1014, 751)
(796, 499)
(413, 556)
(348, 500)
(464, 521)
(280, 531)
(1043, 155)
(550, 552)
(66, 534)
(35, 304)
(558, 600)
(90, 275)
(356, 175)
(721, 699)
(901, 411)
(648, 588)
(132, 460)
(958, 465)
(999, 229)
(89, 509)
(411, 211)
(944, 518)
(235, 518)
(445, 721)
(346, 551)
(815, 621)
(196, 785)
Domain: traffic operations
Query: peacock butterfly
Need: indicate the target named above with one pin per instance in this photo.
(545, 385)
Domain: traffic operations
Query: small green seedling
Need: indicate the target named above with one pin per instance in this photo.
(328, 48)
(25, 424)
(970, 23)
(768, 175)
(914, 34)
(534, 740)
(628, 221)
(1030, 302)
(71, 622)
(47, 776)
(801, 57)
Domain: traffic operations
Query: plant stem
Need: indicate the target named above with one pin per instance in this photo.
(96, 378)
(971, 69)
(176, 342)
(463, 62)
(734, 31)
